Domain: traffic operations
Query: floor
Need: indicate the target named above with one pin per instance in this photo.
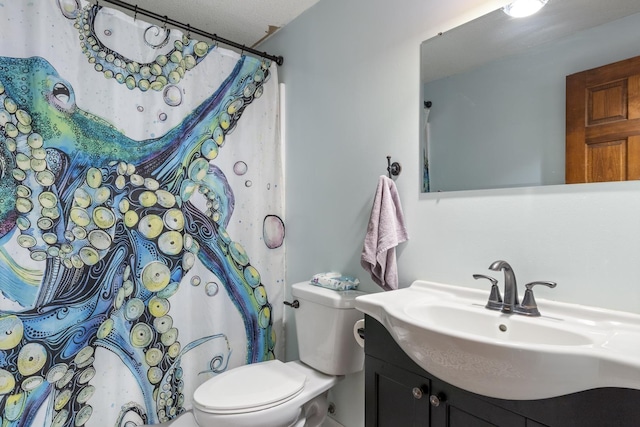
(330, 422)
(187, 420)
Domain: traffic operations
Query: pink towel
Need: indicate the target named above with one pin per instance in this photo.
(385, 231)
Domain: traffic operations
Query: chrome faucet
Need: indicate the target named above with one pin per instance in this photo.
(510, 303)
(510, 298)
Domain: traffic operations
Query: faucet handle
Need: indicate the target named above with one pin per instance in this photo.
(541, 282)
(495, 300)
(529, 307)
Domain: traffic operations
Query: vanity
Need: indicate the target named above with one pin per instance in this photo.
(400, 393)
(574, 366)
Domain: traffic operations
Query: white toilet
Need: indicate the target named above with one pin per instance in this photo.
(292, 394)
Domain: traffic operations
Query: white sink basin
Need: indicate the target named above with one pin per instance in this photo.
(570, 348)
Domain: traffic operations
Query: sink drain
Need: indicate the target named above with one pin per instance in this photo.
(503, 328)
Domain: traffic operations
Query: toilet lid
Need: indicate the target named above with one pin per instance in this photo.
(249, 388)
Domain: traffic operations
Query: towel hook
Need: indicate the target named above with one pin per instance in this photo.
(393, 169)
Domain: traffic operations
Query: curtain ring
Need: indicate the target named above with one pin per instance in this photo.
(188, 31)
(164, 25)
(135, 13)
(242, 51)
(215, 40)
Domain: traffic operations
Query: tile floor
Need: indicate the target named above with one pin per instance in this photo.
(187, 420)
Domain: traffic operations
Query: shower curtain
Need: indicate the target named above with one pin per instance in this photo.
(141, 215)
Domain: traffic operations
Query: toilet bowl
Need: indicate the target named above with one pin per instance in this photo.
(292, 394)
(272, 393)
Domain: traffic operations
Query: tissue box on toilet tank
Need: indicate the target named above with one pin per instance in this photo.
(334, 280)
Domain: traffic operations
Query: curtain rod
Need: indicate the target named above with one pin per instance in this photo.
(186, 27)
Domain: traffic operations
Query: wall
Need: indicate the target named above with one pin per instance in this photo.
(351, 70)
(480, 116)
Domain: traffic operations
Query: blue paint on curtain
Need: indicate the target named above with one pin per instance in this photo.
(103, 234)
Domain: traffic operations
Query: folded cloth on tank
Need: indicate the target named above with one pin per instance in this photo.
(334, 280)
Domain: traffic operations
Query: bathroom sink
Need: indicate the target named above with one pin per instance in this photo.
(448, 332)
(476, 322)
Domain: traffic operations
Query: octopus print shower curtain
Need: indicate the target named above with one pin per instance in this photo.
(141, 216)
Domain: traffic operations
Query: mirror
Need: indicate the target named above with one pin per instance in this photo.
(497, 91)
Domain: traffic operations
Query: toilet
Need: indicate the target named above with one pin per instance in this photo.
(292, 394)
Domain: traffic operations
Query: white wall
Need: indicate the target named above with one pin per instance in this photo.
(351, 70)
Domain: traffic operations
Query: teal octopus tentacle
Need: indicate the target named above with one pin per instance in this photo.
(166, 69)
(114, 232)
(204, 132)
(228, 260)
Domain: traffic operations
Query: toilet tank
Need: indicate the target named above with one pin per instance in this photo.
(324, 323)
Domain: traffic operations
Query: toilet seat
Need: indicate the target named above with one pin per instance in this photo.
(249, 388)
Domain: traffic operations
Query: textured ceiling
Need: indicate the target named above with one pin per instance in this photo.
(246, 22)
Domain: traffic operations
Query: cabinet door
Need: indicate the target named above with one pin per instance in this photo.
(458, 408)
(394, 397)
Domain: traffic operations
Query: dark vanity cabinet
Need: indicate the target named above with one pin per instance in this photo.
(400, 397)
(398, 393)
